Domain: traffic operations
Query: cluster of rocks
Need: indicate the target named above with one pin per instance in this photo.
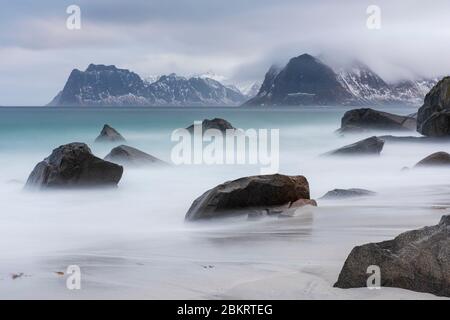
(432, 121)
(417, 260)
(74, 165)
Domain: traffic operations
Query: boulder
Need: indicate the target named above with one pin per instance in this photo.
(74, 165)
(129, 156)
(437, 159)
(347, 193)
(262, 194)
(433, 118)
(417, 260)
(109, 134)
(369, 146)
(359, 120)
(216, 123)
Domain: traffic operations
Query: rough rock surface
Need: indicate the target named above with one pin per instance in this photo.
(437, 159)
(347, 193)
(257, 193)
(109, 134)
(433, 118)
(216, 123)
(74, 165)
(129, 156)
(417, 260)
(369, 146)
(358, 120)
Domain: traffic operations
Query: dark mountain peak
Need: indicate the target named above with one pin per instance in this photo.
(101, 67)
(110, 86)
(171, 77)
(305, 57)
(307, 80)
(304, 80)
(305, 60)
(306, 63)
(100, 84)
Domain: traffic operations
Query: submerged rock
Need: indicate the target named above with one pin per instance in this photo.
(359, 120)
(433, 118)
(129, 156)
(257, 194)
(417, 260)
(74, 165)
(437, 159)
(347, 193)
(216, 123)
(369, 146)
(109, 134)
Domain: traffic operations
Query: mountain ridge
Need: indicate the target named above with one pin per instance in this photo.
(304, 80)
(102, 85)
(353, 86)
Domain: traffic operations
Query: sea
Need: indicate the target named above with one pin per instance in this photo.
(132, 242)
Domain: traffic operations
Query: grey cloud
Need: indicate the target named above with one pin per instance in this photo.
(240, 39)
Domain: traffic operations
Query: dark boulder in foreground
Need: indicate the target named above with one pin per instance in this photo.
(369, 146)
(216, 123)
(437, 159)
(262, 194)
(74, 165)
(347, 193)
(109, 134)
(417, 260)
(433, 118)
(129, 156)
(364, 119)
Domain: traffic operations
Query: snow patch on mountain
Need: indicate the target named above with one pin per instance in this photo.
(367, 87)
(249, 89)
(101, 85)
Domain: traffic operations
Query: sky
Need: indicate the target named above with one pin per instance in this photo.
(238, 39)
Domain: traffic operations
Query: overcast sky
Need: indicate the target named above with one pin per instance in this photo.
(239, 39)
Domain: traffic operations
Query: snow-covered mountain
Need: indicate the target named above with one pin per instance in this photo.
(151, 78)
(363, 84)
(101, 85)
(413, 91)
(369, 88)
(250, 89)
(306, 80)
(177, 90)
(211, 75)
